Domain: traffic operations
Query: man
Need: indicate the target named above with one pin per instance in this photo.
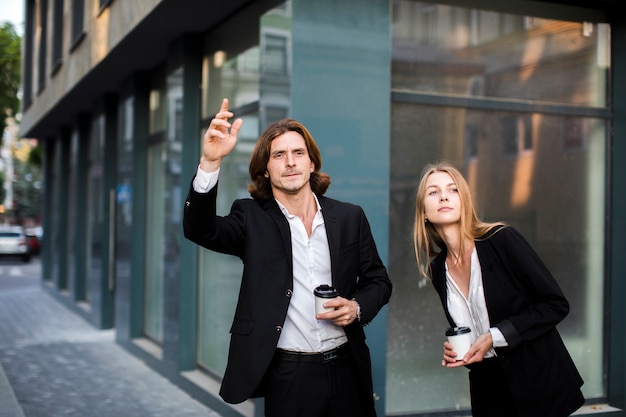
(291, 239)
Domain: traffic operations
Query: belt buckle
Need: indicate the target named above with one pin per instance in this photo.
(330, 355)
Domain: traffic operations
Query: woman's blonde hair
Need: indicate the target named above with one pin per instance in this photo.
(426, 240)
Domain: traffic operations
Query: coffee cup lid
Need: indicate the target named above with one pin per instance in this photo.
(325, 291)
(453, 331)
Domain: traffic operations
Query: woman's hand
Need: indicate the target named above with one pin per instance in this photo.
(449, 356)
(476, 352)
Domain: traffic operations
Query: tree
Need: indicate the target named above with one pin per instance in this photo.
(35, 156)
(3, 191)
(26, 180)
(26, 191)
(10, 61)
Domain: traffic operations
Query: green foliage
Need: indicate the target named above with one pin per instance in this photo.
(26, 182)
(35, 157)
(10, 61)
(3, 191)
(26, 190)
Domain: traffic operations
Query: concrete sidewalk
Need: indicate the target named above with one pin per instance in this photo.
(54, 363)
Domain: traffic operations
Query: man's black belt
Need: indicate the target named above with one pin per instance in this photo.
(317, 357)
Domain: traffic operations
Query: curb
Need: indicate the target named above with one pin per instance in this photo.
(9, 406)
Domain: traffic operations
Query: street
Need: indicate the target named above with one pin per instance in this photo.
(15, 274)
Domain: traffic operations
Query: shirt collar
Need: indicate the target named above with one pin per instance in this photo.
(286, 213)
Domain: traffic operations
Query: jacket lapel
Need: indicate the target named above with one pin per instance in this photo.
(485, 257)
(332, 233)
(272, 209)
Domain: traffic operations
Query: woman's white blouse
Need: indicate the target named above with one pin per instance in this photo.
(472, 312)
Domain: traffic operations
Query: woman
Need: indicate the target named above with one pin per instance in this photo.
(490, 279)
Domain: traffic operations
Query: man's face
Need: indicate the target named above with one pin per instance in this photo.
(289, 167)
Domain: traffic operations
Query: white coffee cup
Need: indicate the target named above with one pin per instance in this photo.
(460, 339)
(324, 293)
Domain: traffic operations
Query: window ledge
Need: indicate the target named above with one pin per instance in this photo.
(596, 409)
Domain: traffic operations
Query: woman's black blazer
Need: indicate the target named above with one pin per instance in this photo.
(525, 302)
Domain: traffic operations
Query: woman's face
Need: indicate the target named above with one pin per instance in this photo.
(442, 203)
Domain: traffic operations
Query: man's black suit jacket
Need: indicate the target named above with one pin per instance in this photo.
(258, 233)
(525, 302)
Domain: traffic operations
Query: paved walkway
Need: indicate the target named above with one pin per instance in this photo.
(53, 363)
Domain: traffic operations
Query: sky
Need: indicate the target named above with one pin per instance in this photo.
(12, 11)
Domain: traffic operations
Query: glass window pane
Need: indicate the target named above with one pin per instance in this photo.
(72, 202)
(541, 171)
(469, 52)
(553, 194)
(96, 201)
(157, 118)
(275, 60)
(153, 303)
(78, 9)
(233, 76)
(165, 214)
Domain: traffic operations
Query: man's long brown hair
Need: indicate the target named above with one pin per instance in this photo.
(260, 188)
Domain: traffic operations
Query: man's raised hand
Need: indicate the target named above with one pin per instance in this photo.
(218, 140)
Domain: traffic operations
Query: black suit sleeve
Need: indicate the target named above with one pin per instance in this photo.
(535, 303)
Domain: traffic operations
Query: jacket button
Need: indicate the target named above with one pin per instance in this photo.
(288, 293)
(279, 329)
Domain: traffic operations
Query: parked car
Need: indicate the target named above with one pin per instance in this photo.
(34, 239)
(33, 244)
(13, 243)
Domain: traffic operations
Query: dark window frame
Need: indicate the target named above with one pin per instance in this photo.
(78, 23)
(57, 36)
(43, 46)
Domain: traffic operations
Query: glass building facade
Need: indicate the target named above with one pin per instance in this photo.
(520, 96)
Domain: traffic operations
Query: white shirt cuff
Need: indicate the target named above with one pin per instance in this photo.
(497, 338)
(205, 181)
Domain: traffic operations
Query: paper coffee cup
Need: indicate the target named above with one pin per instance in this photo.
(322, 294)
(460, 339)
